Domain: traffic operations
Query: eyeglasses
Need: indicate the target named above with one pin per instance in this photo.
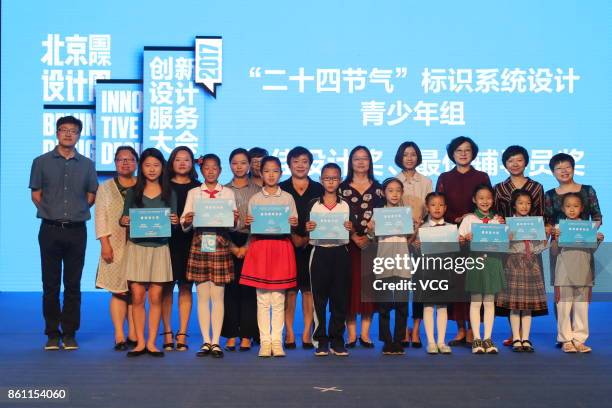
(125, 161)
(70, 131)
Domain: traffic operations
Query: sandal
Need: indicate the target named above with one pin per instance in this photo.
(215, 351)
(167, 346)
(204, 350)
(517, 346)
(527, 346)
(181, 346)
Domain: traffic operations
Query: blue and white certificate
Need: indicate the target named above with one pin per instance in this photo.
(217, 212)
(329, 225)
(149, 222)
(270, 219)
(526, 228)
(490, 238)
(393, 221)
(439, 240)
(577, 234)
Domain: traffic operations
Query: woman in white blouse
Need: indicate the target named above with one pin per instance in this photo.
(416, 188)
(112, 236)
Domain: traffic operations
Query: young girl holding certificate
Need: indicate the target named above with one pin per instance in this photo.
(438, 299)
(483, 283)
(573, 281)
(525, 290)
(269, 265)
(147, 260)
(390, 247)
(210, 262)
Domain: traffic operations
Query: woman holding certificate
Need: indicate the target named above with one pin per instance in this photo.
(458, 185)
(363, 193)
(211, 209)
(111, 276)
(149, 209)
(416, 188)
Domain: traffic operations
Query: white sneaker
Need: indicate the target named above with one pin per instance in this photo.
(265, 349)
(443, 348)
(581, 347)
(277, 349)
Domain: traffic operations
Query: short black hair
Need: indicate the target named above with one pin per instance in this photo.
(257, 152)
(271, 159)
(209, 156)
(458, 141)
(433, 195)
(331, 166)
(483, 186)
(297, 152)
(513, 151)
(71, 120)
(129, 149)
(572, 195)
(516, 194)
(560, 158)
(239, 150)
(399, 155)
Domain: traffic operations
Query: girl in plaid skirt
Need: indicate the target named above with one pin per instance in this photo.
(210, 263)
(524, 291)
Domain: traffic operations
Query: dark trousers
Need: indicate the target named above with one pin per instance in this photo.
(330, 277)
(62, 246)
(240, 302)
(399, 303)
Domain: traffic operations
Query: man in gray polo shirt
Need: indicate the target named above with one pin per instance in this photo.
(63, 184)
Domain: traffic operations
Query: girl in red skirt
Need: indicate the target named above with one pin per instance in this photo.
(269, 265)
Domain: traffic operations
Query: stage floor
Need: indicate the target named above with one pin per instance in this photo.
(97, 376)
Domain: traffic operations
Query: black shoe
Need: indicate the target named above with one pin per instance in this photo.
(366, 344)
(290, 346)
(181, 346)
(388, 349)
(398, 349)
(459, 342)
(53, 343)
(339, 350)
(215, 351)
(69, 343)
(155, 353)
(167, 346)
(517, 346)
(322, 350)
(135, 353)
(204, 350)
(416, 345)
(131, 343)
(121, 346)
(405, 344)
(307, 346)
(229, 348)
(351, 344)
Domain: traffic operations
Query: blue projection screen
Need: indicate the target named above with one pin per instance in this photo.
(328, 76)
